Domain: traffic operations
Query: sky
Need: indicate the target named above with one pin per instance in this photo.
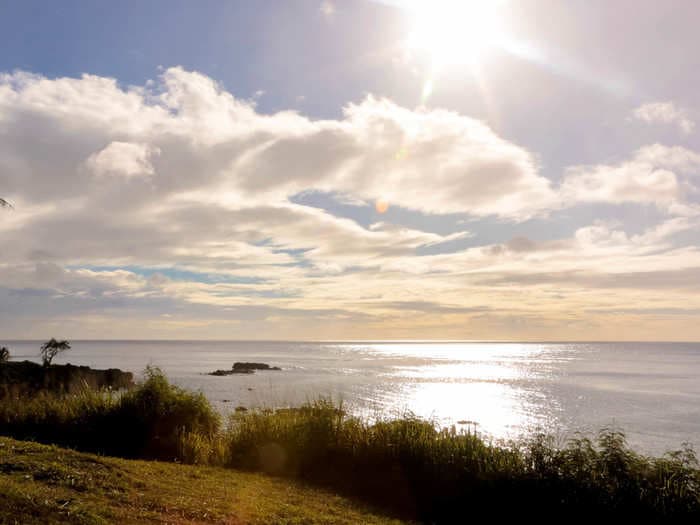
(350, 169)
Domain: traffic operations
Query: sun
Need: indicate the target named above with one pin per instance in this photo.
(455, 32)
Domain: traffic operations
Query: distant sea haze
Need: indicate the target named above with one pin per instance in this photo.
(504, 390)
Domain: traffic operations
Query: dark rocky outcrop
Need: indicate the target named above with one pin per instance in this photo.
(230, 372)
(254, 366)
(23, 378)
(244, 368)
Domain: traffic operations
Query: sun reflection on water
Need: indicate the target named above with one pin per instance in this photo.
(496, 408)
(457, 384)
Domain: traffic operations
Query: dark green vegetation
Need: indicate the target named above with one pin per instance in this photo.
(51, 349)
(46, 484)
(407, 467)
(443, 476)
(24, 378)
(146, 422)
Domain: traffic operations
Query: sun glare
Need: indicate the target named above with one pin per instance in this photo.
(455, 32)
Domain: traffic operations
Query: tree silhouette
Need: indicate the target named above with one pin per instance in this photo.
(52, 347)
(4, 354)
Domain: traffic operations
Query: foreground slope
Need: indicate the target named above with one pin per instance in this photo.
(47, 484)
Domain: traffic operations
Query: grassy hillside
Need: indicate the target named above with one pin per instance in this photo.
(47, 484)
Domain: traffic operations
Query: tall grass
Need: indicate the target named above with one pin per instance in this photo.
(406, 465)
(445, 475)
(147, 422)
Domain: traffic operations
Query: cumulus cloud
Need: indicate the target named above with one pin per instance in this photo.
(202, 135)
(177, 199)
(124, 159)
(655, 174)
(665, 113)
(383, 151)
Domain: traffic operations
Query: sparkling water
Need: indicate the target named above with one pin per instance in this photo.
(504, 390)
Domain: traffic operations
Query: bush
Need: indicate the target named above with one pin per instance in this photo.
(158, 414)
(147, 422)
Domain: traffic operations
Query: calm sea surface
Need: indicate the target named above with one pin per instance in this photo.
(650, 390)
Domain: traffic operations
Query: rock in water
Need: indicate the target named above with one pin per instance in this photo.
(230, 372)
(254, 366)
(244, 368)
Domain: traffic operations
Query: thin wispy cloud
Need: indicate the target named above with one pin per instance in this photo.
(665, 113)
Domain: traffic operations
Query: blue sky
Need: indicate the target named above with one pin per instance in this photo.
(215, 170)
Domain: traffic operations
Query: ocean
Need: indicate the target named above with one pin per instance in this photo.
(651, 391)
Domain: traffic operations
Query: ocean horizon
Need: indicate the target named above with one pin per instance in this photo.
(503, 390)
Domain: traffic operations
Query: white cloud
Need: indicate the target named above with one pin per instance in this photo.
(125, 159)
(432, 161)
(220, 176)
(674, 158)
(665, 113)
(203, 137)
(655, 174)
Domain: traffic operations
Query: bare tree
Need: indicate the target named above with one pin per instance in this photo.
(51, 348)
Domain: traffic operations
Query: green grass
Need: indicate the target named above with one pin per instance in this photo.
(407, 466)
(47, 484)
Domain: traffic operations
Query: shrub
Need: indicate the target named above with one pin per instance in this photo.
(148, 421)
(157, 414)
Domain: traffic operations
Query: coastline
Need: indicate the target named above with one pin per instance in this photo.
(510, 389)
(408, 467)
